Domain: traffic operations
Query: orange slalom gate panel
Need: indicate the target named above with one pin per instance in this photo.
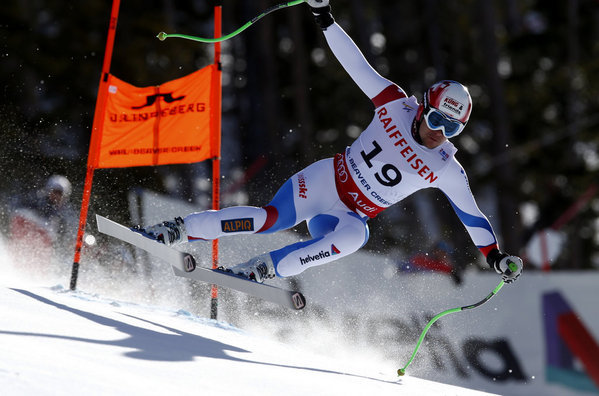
(166, 124)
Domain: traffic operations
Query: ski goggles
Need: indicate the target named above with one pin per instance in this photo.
(437, 120)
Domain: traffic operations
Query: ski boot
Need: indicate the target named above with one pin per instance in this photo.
(257, 269)
(170, 232)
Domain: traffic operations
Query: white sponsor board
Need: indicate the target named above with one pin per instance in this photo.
(499, 347)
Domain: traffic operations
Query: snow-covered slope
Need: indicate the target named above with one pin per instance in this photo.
(57, 342)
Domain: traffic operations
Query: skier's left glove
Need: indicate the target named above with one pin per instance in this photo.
(322, 12)
(510, 267)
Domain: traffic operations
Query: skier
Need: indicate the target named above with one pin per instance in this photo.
(404, 149)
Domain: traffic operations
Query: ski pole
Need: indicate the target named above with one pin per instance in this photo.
(402, 371)
(163, 36)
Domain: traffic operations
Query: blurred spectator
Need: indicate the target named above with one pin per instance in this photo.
(43, 224)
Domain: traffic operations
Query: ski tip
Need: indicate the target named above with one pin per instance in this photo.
(162, 36)
(401, 372)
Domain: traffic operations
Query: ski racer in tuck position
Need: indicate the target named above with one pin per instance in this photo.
(404, 149)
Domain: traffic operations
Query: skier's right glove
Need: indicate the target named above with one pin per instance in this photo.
(322, 13)
(510, 267)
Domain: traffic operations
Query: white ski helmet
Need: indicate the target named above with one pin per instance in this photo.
(453, 100)
(61, 184)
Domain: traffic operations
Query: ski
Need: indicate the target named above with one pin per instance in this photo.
(184, 265)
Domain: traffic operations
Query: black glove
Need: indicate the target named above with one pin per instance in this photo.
(322, 13)
(510, 267)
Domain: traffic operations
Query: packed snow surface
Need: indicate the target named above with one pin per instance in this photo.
(54, 341)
